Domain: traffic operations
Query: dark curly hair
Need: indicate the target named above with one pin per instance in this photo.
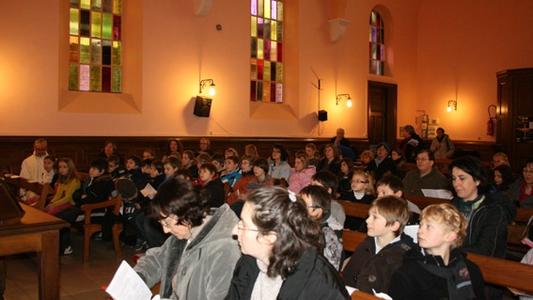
(472, 166)
(176, 196)
(274, 212)
(284, 154)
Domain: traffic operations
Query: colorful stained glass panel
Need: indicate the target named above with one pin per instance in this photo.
(74, 21)
(96, 24)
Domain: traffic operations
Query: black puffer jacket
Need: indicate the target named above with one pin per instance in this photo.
(313, 278)
(414, 280)
(487, 228)
(367, 270)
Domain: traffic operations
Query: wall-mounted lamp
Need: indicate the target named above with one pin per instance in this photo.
(208, 84)
(452, 106)
(346, 97)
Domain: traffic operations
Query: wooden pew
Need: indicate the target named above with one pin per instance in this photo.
(353, 209)
(523, 214)
(422, 201)
(495, 270)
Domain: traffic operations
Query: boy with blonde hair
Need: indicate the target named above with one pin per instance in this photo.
(441, 270)
(381, 253)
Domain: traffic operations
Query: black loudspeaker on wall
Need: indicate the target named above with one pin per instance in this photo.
(322, 115)
(202, 106)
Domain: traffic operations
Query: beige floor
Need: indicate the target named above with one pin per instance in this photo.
(78, 280)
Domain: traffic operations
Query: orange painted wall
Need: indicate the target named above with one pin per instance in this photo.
(461, 46)
(175, 48)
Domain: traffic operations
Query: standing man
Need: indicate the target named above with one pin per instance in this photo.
(32, 167)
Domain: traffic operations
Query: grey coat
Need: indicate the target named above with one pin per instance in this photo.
(201, 269)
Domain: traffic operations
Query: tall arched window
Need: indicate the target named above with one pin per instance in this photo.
(95, 46)
(376, 44)
(266, 59)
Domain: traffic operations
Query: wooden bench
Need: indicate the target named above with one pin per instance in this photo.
(495, 270)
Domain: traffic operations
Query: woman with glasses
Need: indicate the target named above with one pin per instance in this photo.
(194, 262)
(282, 248)
(521, 191)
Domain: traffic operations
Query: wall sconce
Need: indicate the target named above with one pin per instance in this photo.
(346, 97)
(208, 84)
(452, 106)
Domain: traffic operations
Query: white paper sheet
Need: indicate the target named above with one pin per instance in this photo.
(128, 285)
(435, 193)
(412, 231)
(149, 191)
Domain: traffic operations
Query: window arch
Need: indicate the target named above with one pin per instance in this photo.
(266, 55)
(376, 44)
(95, 52)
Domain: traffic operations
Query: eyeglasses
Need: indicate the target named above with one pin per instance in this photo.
(359, 181)
(240, 226)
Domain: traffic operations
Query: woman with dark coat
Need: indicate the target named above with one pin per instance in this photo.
(410, 144)
(283, 257)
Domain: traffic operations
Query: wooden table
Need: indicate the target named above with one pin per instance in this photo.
(36, 232)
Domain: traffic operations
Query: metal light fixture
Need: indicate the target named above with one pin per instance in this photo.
(208, 84)
(452, 106)
(346, 97)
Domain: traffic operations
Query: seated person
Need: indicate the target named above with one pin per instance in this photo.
(133, 166)
(67, 183)
(502, 178)
(410, 144)
(96, 188)
(345, 177)
(194, 262)
(383, 163)
(488, 213)
(50, 173)
(301, 173)
(247, 172)
(170, 166)
(374, 261)
(331, 161)
(521, 191)
(232, 173)
(312, 154)
(391, 185)
(157, 174)
(425, 176)
(212, 184)
(330, 182)
(442, 270)
(279, 167)
(218, 161)
(230, 152)
(499, 158)
(318, 203)
(283, 256)
(365, 158)
(188, 163)
(148, 153)
(362, 185)
(114, 168)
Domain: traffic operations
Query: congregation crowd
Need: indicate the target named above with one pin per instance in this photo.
(236, 225)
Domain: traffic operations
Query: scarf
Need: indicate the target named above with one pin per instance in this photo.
(456, 275)
(467, 208)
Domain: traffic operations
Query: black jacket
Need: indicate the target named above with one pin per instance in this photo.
(334, 166)
(215, 190)
(313, 278)
(387, 165)
(409, 149)
(414, 280)
(94, 190)
(487, 227)
(367, 270)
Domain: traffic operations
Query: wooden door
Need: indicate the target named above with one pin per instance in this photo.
(381, 113)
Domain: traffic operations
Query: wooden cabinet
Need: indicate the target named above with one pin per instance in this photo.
(515, 105)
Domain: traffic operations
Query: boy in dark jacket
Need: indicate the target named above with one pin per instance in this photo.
(442, 270)
(97, 188)
(375, 260)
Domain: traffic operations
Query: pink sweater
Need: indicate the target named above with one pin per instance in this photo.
(301, 179)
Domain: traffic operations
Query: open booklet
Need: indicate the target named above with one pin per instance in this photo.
(128, 285)
(351, 290)
(149, 191)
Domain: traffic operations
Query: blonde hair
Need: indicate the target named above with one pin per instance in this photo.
(369, 189)
(301, 156)
(450, 217)
(393, 209)
(367, 153)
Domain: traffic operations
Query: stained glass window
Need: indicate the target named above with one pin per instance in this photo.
(266, 59)
(376, 44)
(95, 46)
